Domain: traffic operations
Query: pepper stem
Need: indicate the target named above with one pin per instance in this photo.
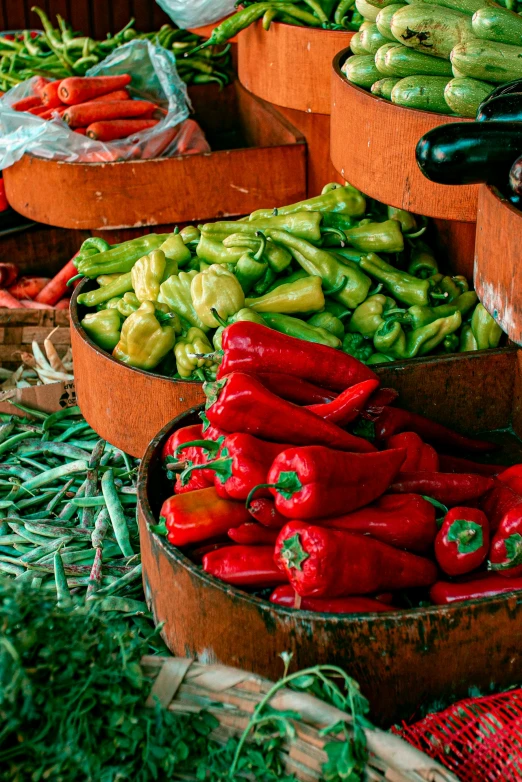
(259, 253)
(218, 317)
(255, 489)
(222, 467)
(467, 535)
(513, 545)
(73, 279)
(207, 445)
(287, 485)
(292, 552)
(338, 288)
(438, 295)
(336, 232)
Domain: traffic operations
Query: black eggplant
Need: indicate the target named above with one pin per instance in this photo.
(515, 178)
(503, 108)
(504, 89)
(466, 153)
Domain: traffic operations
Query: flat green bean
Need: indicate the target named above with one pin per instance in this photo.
(117, 516)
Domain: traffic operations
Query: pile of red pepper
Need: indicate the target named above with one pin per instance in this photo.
(278, 489)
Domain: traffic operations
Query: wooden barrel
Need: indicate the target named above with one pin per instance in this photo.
(405, 661)
(125, 406)
(372, 144)
(498, 273)
(290, 67)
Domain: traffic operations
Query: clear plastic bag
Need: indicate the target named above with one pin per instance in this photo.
(154, 77)
(196, 13)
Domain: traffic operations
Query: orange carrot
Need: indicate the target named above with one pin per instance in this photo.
(118, 128)
(8, 301)
(39, 85)
(51, 112)
(57, 287)
(192, 141)
(85, 114)
(50, 94)
(77, 89)
(28, 287)
(63, 304)
(31, 102)
(8, 273)
(38, 110)
(33, 305)
(117, 95)
(157, 144)
(81, 131)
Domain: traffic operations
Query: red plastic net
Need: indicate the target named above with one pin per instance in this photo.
(479, 739)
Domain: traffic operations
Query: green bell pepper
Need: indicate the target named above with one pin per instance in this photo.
(346, 283)
(369, 315)
(325, 320)
(175, 293)
(144, 341)
(103, 328)
(250, 268)
(358, 347)
(484, 328)
(391, 339)
(339, 199)
(451, 343)
(295, 327)
(176, 251)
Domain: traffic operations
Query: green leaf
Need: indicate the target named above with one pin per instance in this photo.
(292, 552)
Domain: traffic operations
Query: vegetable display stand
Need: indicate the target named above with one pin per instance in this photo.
(231, 695)
(258, 157)
(290, 67)
(498, 275)
(18, 329)
(373, 145)
(405, 660)
(126, 406)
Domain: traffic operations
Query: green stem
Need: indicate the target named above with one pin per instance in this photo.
(337, 288)
(255, 489)
(212, 446)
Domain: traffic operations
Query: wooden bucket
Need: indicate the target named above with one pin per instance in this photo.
(125, 406)
(372, 145)
(405, 661)
(498, 274)
(231, 695)
(258, 157)
(290, 67)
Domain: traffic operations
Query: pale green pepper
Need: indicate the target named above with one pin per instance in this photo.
(103, 328)
(144, 341)
(175, 293)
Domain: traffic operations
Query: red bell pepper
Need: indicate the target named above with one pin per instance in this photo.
(393, 420)
(457, 464)
(512, 477)
(348, 404)
(446, 487)
(462, 542)
(296, 390)
(265, 512)
(315, 481)
(252, 534)
(239, 403)
(253, 348)
(401, 520)
(285, 596)
(244, 566)
(211, 432)
(421, 457)
(243, 462)
(182, 449)
(506, 547)
(445, 593)
(324, 562)
(200, 515)
(181, 436)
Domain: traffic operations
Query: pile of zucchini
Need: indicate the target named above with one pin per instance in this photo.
(443, 55)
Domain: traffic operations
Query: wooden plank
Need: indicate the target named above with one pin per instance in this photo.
(141, 10)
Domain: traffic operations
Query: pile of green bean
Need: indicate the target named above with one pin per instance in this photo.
(67, 510)
(60, 52)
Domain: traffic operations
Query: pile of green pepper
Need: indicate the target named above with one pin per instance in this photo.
(310, 270)
(60, 52)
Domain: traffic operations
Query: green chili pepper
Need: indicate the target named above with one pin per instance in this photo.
(120, 259)
(295, 327)
(401, 285)
(304, 225)
(484, 328)
(371, 314)
(341, 11)
(467, 340)
(325, 320)
(391, 339)
(212, 250)
(340, 200)
(379, 358)
(376, 237)
(418, 316)
(406, 219)
(451, 343)
(116, 288)
(422, 262)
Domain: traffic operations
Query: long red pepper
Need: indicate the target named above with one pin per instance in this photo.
(265, 512)
(239, 403)
(421, 457)
(200, 515)
(445, 593)
(457, 464)
(446, 487)
(462, 542)
(314, 481)
(285, 596)
(512, 477)
(245, 566)
(498, 501)
(252, 534)
(331, 563)
(243, 462)
(348, 404)
(296, 390)
(253, 348)
(381, 399)
(405, 521)
(393, 420)
(211, 432)
(506, 547)
(181, 436)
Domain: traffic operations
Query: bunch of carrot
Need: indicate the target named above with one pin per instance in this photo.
(97, 106)
(34, 292)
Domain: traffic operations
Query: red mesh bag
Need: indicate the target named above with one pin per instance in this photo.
(479, 739)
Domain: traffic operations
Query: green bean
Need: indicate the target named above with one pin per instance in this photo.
(117, 516)
(28, 534)
(55, 501)
(12, 570)
(101, 526)
(30, 411)
(74, 429)
(11, 441)
(99, 501)
(60, 449)
(128, 578)
(5, 430)
(69, 509)
(42, 551)
(92, 482)
(33, 501)
(124, 605)
(52, 531)
(67, 412)
(53, 475)
(7, 504)
(20, 472)
(62, 590)
(95, 576)
(8, 540)
(32, 463)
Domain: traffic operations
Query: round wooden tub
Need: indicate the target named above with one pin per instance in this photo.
(290, 67)
(498, 273)
(372, 145)
(405, 661)
(125, 406)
